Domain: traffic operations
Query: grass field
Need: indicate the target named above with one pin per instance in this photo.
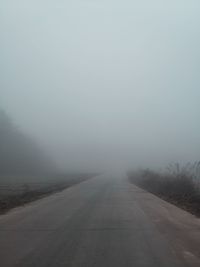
(19, 190)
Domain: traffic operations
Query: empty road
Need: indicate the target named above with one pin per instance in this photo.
(102, 222)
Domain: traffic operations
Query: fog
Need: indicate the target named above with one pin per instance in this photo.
(101, 84)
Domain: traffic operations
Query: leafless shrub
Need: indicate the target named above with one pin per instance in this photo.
(179, 185)
(191, 170)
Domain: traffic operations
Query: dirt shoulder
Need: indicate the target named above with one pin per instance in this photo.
(180, 191)
(179, 228)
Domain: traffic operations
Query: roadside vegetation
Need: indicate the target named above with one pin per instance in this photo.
(27, 189)
(178, 185)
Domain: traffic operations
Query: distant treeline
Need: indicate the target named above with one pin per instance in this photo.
(19, 154)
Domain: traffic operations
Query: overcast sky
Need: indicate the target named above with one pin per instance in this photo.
(103, 82)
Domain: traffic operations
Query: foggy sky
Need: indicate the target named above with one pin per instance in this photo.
(99, 83)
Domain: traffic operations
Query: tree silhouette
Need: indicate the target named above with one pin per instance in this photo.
(19, 154)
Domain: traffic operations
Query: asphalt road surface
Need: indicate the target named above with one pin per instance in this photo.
(102, 222)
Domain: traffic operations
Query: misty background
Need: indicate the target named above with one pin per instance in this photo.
(100, 84)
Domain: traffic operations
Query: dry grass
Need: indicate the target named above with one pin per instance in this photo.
(179, 185)
(19, 193)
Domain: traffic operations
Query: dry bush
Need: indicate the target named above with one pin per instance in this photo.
(179, 185)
